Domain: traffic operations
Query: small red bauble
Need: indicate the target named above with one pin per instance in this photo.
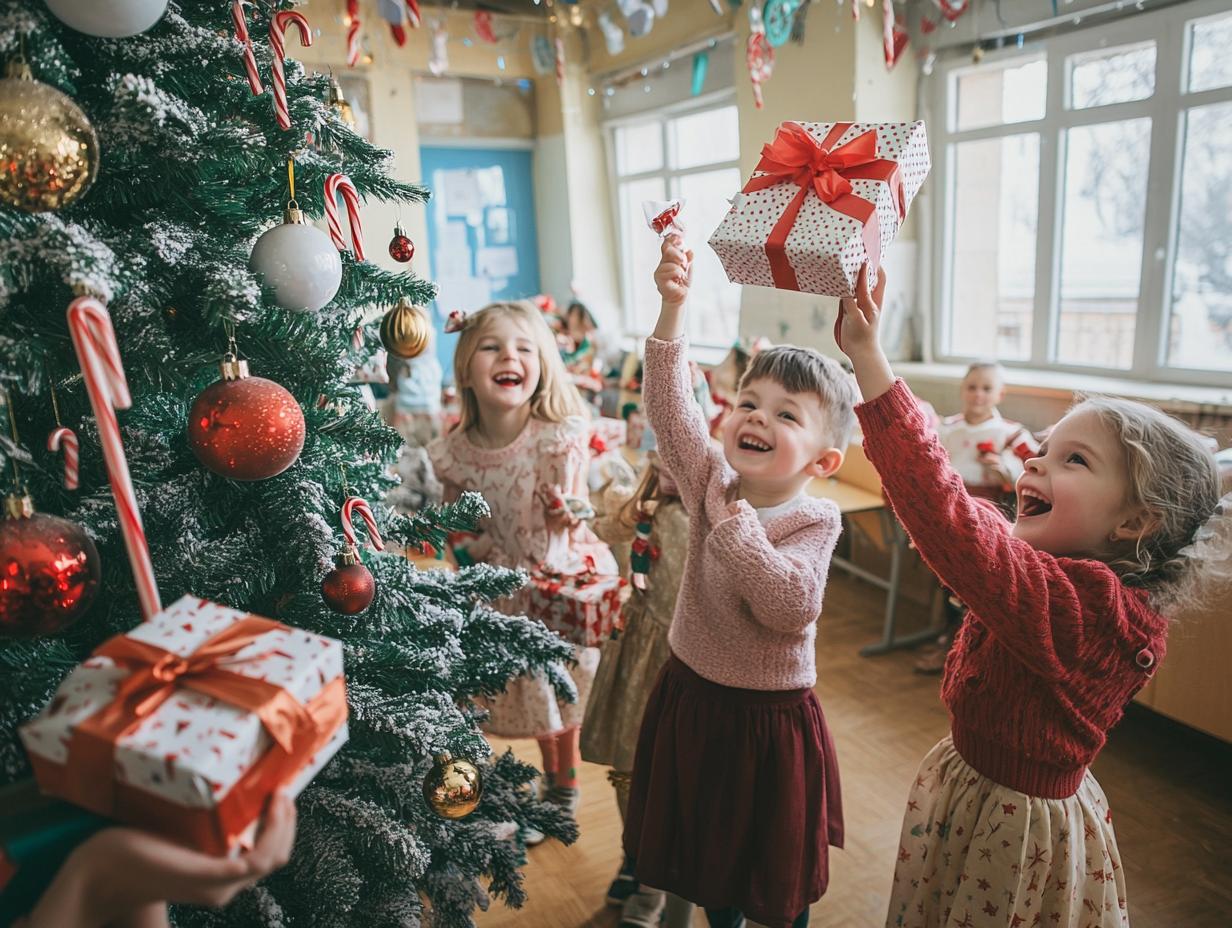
(401, 248)
(245, 428)
(49, 571)
(348, 588)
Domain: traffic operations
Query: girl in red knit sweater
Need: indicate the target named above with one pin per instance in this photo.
(1005, 824)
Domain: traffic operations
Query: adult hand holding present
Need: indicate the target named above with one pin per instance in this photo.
(126, 876)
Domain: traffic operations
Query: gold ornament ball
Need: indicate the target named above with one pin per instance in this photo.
(48, 149)
(452, 787)
(405, 330)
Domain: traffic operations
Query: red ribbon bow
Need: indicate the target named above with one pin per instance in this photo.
(796, 157)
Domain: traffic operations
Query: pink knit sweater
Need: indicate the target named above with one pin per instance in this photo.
(748, 606)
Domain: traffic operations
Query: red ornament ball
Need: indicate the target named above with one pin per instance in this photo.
(49, 575)
(249, 428)
(348, 588)
(401, 248)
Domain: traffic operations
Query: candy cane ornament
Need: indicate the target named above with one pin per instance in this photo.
(352, 33)
(94, 340)
(353, 505)
(340, 183)
(65, 439)
(277, 33)
(412, 12)
(250, 58)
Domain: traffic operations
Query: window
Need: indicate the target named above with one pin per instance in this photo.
(1084, 217)
(692, 154)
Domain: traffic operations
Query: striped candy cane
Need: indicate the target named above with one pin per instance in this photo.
(353, 505)
(412, 11)
(250, 58)
(560, 61)
(66, 439)
(352, 33)
(278, 28)
(334, 184)
(99, 355)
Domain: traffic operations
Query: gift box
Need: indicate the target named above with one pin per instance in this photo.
(583, 607)
(188, 723)
(826, 197)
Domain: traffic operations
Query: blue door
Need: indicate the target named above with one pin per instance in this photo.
(481, 231)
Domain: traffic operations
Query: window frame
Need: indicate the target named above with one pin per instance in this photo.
(1167, 108)
(663, 116)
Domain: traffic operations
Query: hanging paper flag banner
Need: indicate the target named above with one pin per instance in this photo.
(701, 63)
(952, 9)
(438, 60)
(483, 27)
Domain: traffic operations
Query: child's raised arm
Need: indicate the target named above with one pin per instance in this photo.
(860, 337)
(680, 428)
(1030, 603)
(673, 277)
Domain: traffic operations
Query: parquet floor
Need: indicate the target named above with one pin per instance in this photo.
(1170, 790)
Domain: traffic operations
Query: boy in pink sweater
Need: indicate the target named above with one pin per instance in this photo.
(735, 794)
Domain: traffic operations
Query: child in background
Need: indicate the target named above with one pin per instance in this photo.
(650, 518)
(580, 351)
(735, 801)
(523, 432)
(987, 452)
(415, 386)
(1005, 824)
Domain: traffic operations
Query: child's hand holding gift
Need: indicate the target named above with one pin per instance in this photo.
(858, 331)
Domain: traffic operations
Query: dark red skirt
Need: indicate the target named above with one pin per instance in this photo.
(735, 797)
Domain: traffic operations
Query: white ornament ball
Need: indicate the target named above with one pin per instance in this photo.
(300, 264)
(108, 19)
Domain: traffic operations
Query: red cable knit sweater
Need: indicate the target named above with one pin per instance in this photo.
(1052, 648)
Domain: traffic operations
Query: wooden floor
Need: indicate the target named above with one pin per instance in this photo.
(1170, 790)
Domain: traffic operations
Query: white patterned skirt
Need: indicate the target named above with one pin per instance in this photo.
(528, 708)
(975, 854)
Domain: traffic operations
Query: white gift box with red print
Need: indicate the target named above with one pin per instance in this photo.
(151, 730)
(825, 198)
(582, 607)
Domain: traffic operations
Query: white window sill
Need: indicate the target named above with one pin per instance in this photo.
(1063, 384)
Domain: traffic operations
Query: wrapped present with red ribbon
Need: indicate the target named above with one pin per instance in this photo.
(826, 198)
(189, 722)
(582, 606)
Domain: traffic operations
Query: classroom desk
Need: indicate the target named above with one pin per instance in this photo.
(851, 498)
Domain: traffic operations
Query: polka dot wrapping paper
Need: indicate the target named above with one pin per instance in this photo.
(196, 767)
(848, 185)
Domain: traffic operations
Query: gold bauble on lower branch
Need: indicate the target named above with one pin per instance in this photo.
(453, 787)
(48, 149)
(405, 330)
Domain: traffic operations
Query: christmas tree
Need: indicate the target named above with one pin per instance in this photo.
(191, 169)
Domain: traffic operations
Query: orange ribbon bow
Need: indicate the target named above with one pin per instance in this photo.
(298, 731)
